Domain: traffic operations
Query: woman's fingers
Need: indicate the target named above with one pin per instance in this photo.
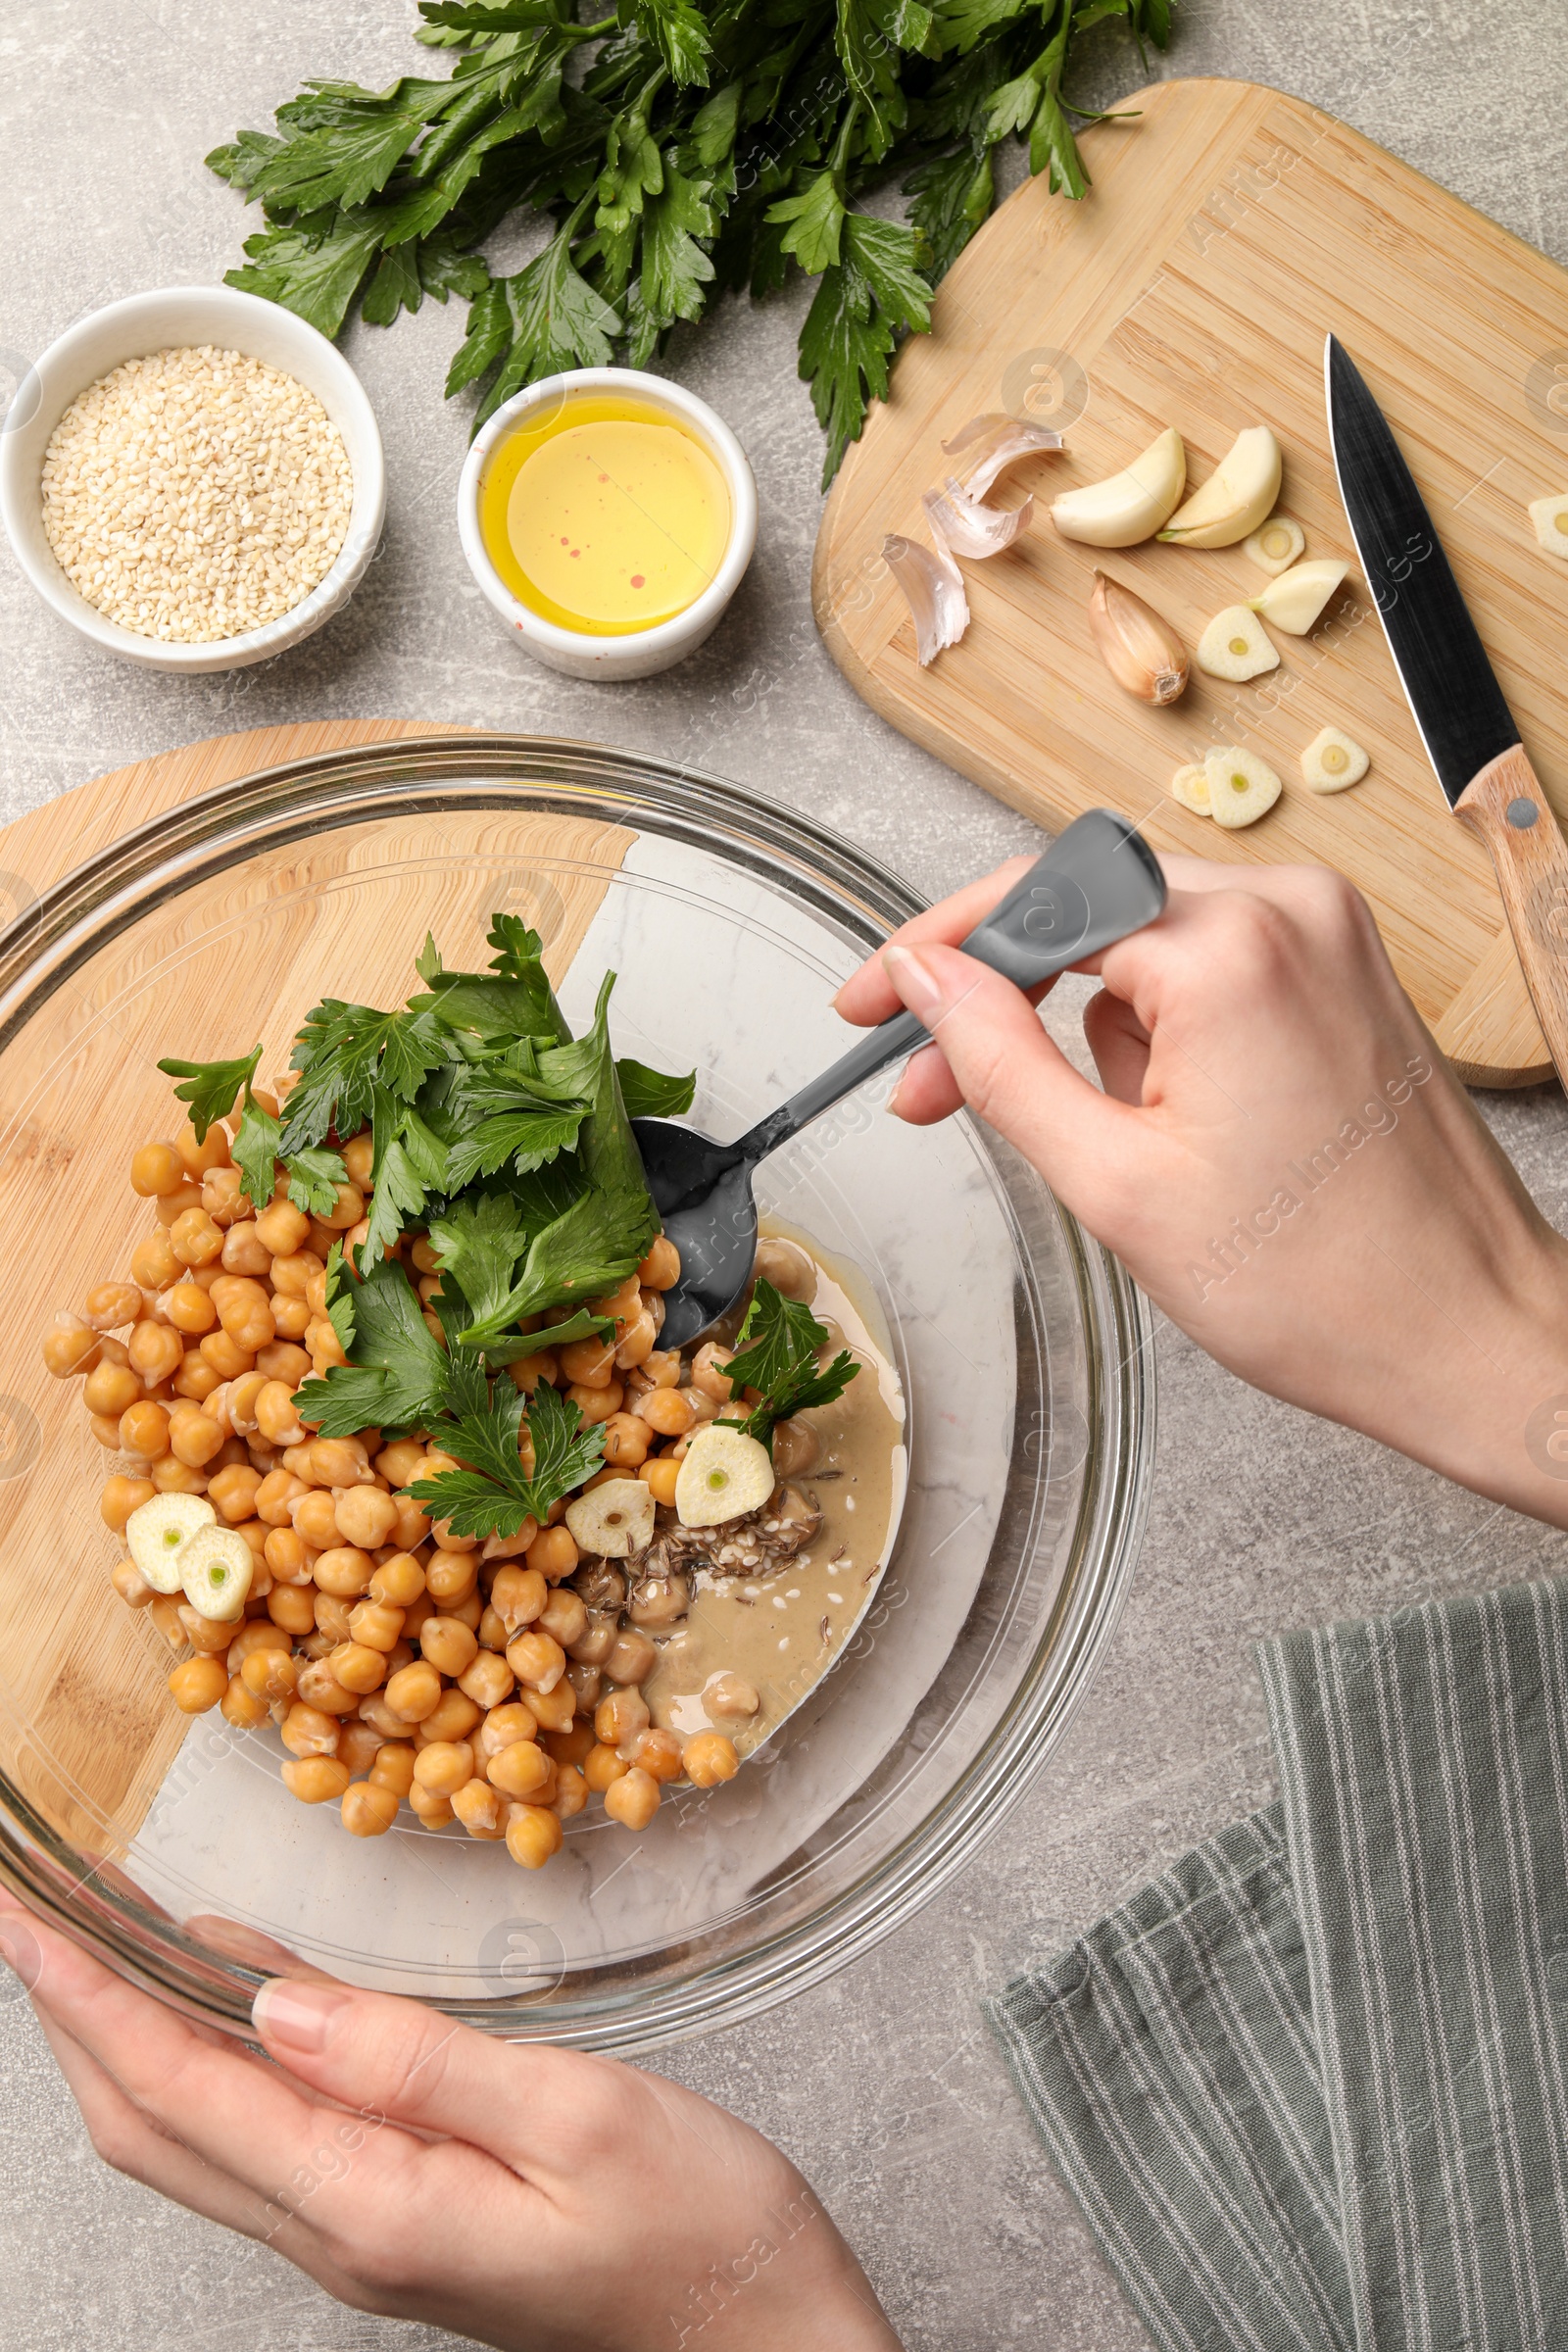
(868, 996)
(928, 1091)
(1119, 1044)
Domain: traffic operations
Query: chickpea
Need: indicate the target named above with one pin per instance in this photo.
(282, 1228)
(294, 1271)
(573, 1745)
(205, 1635)
(340, 1463)
(633, 1799)
(164, 1613)
(198, 1685)
(120, 1497)
(110, 1390)
(276, 1417)
(533, 1835)
(597, 1405)
(455, 1717)
(451, 1576)
(359, 1745)
(565, 1618)
(708, 1373)
(398, 1581)
(144, 1432)
(478, 1807)
(796, 1447)
(316, 1779)
(587, 1685)
(171, 1206)
(111, 1304)
(104, 1428)
(449, 1646)
(258, 1636)
(662, 1370)
(130, 1583)
(528, 1371)
(271, 1674)
(589, 1363)
(315, 1518)
(661, 1477)
(518, 1595)
(669, 1411)
(631, 1659)
(660, 1601)
(358, 1158)
(554, 1553)
(637, 1341)
(414, 1616)
(444, 1767)
(242, 1253)
(345, 1571)
(520, 1770)
(435, 1812)
(501, 1725)
(233, 1492)
(626, 1441)
(661, 1268)
(242, 1707)
(281, 1361)
(730, 1694)
(156, 1352)
(293, 1319)
(278, 1492)
(365, 1516)
(196, 1378)
(224, 1201)
(597, 1640)
(601, 1767)
(190, 1309)
(245, 1312)
(226, 1357)
(243, 1396)
(288, 1557)
(368, 1810)
(320, 1688)
(172, 1477)
(196, 1241)
(156, 1169)
(620, 1717)
(571, 1793)
(291, 1607)
(708, 1758)
(414, 1693)
(152, 1263)
(657, 1752)
(393, 1767)
(536, 1659)
(357, 1667)
(377, 1624)
(413, 1526)
(211, 1152)
(554, 1708)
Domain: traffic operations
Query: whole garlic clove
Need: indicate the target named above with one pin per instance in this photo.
(1241, 787)
(1237, 497)
(1294, 602)
(1235, 646)
(1333, 761)
(1129, 506)
(1140, 651)
(1275, 546)
(1189, 786)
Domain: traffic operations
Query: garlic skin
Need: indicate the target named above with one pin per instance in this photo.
(1239, 495)
(998, 441)
(1241, 787)
(1189, 786)
(966, 526)
(1294, 602)
(1130, 506)
(1140, 650)
(1333, 761)
(933, 589)
(1275, 544)
(1236, 645)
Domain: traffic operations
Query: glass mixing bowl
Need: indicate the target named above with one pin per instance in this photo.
(171, 1849)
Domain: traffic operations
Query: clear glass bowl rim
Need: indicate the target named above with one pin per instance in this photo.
(160, 858)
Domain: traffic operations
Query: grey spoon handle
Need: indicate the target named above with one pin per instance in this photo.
(1097, 882)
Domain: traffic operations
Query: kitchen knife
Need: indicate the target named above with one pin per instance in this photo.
(1465, 723)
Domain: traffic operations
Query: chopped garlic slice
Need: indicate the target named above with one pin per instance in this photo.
(1189, 786)
(1275, 546)
(1241, 787)
(1333, 761)
(967, 526)
(1550, 519)
(1236, 645)
(998, 441)
(933, 589)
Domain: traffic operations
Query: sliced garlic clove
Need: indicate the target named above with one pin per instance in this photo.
(933, 589)
(1294, 601)
(1333, 761)
(159, 1531)
(725, 1473)
(1189, 786)
(995, 442)
(1237, 496)
(1140, 651)
(1277, 545)
(1129, 506)
(968, 526)
(614, 1520)
(1241, 787)
(215, 1568)
(1235, 644)
(1550, 519)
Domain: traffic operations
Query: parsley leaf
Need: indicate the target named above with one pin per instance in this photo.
(343, 1053)
(776, 1352)
(410, 1165)
(314, 1176)
(494, 1495)
(396, 1374)
(212, 1089)
(651, 1095)
(478, 1242)
(853, 322)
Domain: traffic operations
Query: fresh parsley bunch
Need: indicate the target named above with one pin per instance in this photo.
(508, 1142)
(681, 149)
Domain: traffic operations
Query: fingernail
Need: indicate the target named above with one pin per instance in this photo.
(18, 1949)
(299, 2016)
(915, 981)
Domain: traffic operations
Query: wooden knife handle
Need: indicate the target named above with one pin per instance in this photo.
(1506, 807)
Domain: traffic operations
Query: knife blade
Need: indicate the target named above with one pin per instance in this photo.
(1465, 724)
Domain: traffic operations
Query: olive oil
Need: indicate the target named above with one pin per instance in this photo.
(606, 517)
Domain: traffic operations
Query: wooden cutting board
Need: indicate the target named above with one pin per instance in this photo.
(1227, 229)
(87, 1730)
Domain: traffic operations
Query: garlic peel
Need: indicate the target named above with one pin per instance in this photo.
(1241, 787)
(1127, 507)
(1140, 651)
(967, 526)
(933, 589)
(1275, 545)
(998, 441)
(1333, 761)
(1294, 601)
(1238, 496)
(1236, 645)
(1189, 786)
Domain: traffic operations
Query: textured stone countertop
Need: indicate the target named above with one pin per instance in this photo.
(883, 2083)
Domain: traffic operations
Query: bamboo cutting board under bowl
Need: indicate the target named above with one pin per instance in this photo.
(1228, 229)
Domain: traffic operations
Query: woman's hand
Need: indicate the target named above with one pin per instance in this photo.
(538, 2199)
(1280, 1158)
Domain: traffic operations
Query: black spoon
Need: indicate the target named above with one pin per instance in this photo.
(1097, 882)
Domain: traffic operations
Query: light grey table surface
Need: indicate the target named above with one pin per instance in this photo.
(883, 2083)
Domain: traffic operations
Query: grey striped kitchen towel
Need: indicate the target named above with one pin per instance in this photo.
(1310, 2087)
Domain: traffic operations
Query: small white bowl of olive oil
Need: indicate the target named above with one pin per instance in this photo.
(608, 515)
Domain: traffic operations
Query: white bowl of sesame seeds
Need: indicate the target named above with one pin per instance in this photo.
(194, 479)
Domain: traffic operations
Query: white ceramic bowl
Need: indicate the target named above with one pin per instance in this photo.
(175, 316)
(641, 652)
